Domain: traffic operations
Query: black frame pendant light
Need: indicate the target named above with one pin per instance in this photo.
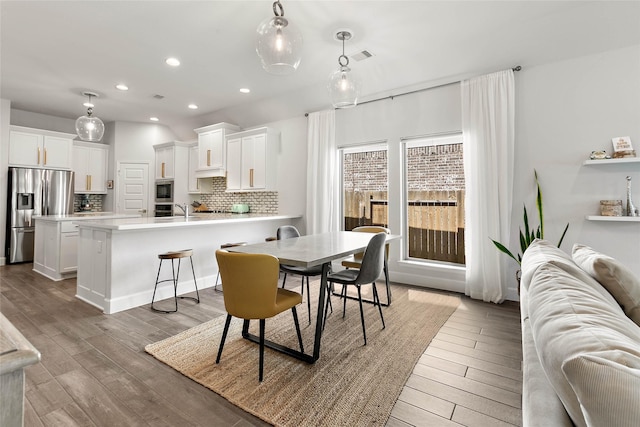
(279, 43)
(89, 128)
(344, 85)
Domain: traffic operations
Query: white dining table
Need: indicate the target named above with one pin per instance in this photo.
(310, 251)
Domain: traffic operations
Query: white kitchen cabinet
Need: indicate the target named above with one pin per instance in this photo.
(165, 162)
(212, 157)
(56, 249)
(197, 185)
(39, 148)
(172, 163)
(251, 160)
(90, 167)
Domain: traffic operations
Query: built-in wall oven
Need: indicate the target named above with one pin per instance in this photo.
(163, 209)
(164, 191)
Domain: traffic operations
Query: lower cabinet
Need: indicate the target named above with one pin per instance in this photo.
(56, 249)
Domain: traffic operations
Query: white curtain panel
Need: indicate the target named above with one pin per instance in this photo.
(488, 118)
(323, 193)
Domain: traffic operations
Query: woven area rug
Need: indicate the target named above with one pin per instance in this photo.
(350, 385)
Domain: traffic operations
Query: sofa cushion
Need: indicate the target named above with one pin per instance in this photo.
(614, 276)
(542, 252)
(614, 401)
(571, 321)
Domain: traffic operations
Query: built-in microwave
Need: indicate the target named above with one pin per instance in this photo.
(164, 191)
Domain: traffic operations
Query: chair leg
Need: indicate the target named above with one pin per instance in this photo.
(295, 321)
(193, 272)
(364, 331)
(224, 337)
(386, 281)
(175, 283)
(343, 295)
(262, 322)
(376, 299)
(284, 280)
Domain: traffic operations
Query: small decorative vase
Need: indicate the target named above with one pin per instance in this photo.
(631, 209)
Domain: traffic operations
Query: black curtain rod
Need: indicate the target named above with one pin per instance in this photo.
(516, 68)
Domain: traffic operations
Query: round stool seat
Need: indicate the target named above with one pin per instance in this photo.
(176, 254)
(232, 245)
(172, 256)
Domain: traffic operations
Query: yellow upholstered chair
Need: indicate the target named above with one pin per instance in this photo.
(355, 260)
(250, 291)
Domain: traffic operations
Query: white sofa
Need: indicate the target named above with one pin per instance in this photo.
(581, 339)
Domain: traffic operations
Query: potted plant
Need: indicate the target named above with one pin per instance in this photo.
(529, 234)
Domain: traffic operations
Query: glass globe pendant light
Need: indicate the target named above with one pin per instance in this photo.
(89, 128)
(344, 86)
(279, 43)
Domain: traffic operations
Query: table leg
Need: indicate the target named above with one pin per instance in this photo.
(320, 316)
(318, 334)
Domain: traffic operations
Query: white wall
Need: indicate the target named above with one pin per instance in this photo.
(564, 111)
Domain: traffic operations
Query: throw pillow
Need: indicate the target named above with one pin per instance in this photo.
(614, 276)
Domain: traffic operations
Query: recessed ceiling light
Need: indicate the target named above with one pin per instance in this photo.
(193, 106)
(174, 62)
(154, 119)
(122, 86)
(245, 90)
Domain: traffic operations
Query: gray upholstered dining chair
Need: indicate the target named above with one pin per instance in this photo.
(370, 269)
(287, 232)
(355, 260)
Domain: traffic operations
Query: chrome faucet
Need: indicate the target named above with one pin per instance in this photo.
(184, 208)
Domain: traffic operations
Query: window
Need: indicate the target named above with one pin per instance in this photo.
(434, 195)
(364, 186)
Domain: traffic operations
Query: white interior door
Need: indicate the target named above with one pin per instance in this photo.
(133, 188)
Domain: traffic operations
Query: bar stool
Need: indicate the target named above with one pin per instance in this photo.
(223, 247)
(174, 277)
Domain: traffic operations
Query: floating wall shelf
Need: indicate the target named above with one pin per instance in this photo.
(612, 161)
(613, 218)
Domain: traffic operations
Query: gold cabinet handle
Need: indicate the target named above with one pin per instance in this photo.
(162, 173)
(251, 177)
(208, 157)
(86, 183)
(45, 156)
(38, 162)
(90, 182)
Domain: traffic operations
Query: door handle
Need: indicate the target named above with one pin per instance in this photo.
(208, 157)
(38, 162)
(251, 177)
(162, 173)
(45, 156)
(90, 182)
(86, 183)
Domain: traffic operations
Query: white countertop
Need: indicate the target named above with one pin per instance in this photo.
(83, 216)
(194, 220)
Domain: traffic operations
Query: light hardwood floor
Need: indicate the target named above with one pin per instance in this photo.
(95, 372)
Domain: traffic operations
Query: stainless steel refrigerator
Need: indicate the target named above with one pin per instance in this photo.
(33, 192)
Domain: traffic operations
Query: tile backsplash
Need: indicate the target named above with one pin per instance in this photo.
(94, 202)
(259, 202)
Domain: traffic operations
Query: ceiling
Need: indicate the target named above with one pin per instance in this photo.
(53, 51)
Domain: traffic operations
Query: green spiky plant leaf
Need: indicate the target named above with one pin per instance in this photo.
(530, 234)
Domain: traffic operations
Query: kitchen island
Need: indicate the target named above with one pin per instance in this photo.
(118, 258)
(55, 253)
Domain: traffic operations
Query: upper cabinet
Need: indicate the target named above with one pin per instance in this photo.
(165, 162)
(39, 148)
(251, 160)
(197, 185)
(212, 149)
(90, 166)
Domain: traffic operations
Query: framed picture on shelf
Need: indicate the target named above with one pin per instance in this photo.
(622, 147)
